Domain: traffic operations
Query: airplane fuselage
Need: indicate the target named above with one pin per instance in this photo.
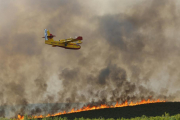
(70, 45)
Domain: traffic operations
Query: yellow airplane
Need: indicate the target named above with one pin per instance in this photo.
(71, 43)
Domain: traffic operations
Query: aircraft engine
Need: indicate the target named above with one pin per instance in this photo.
(45, 34)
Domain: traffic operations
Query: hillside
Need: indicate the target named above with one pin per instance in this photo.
(154, 109)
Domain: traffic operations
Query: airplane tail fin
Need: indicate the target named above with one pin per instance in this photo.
(79, 38)
(47, 35)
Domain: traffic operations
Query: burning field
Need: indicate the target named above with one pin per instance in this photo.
(124, 110)
(130, 52)
(90, 107)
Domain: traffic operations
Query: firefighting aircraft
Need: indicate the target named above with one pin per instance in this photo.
(71, 43)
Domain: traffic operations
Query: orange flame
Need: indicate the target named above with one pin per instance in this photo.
(97, 107)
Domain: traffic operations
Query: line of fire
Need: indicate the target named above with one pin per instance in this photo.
(87, 108)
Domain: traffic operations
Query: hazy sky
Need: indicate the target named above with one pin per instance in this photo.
(130, 51)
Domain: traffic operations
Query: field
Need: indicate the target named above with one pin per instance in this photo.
(167, 110)
(154, 109)
(163, 117)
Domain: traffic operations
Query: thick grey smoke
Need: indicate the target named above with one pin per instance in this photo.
(127, 53)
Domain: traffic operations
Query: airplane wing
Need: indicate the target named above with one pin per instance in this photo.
(72, 39)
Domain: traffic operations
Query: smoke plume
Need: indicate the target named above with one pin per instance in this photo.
(130, 51)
